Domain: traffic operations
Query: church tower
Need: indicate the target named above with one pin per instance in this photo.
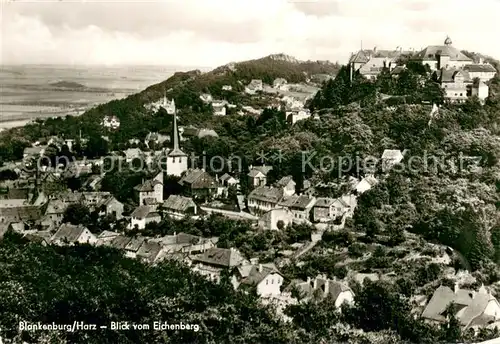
(177, 160)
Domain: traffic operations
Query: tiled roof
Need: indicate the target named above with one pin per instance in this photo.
(324, 202)
(444, 50)
(149, 250)
(108, 234)
(483, 67)
(17, 193)
(147, 186)
(222, 257)
(255, 276)
(254, 173)
(107, 201)
(180, 239)
(340, 202)
(38, 236)
(303, 201)
(68, 232)
(334, 287)
(225, 177)
(198, 179)
(191, 176)
(176, 153)
(285, 181)
(264, 169)
(359, 57)
(178, 203)
(449, 75)
(120, 242)
(134, 244)
(473, 302)
(141, 212)
(23, 213)
(299, 202)
(375, 62)
(266, 194)
(68, 197)
(153, 214)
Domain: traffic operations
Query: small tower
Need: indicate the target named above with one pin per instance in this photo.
(448, 41)
(176, 158)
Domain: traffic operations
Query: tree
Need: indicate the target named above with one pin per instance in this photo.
(77, 214)
(96, 147)
(495, 239)
(451, 329)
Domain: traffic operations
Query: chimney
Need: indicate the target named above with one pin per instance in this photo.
(456, 288)
(315, 285)
(308, 280)
(472, 294)
(481, 60)
(260, 267)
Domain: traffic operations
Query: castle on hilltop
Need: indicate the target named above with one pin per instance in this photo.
(459, 76)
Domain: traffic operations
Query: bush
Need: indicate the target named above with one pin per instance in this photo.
(340, 272)
(340, 238)
(357, 250)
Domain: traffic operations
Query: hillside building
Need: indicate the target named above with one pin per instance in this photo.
(443, 56)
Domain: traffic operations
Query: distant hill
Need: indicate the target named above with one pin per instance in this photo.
(239, 74)
(67, 84)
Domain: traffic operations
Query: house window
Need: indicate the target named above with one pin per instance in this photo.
(267, 282)
(460, 94)
(272, 281)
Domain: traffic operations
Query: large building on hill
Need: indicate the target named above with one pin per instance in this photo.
(370, 62)
(459, 76)
(442, 56)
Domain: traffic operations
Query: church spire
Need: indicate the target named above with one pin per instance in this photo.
(176, 151)
(176, 134)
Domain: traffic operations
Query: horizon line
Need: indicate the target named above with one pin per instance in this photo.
(104, 65)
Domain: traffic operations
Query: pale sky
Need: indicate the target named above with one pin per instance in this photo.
(214, 32)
